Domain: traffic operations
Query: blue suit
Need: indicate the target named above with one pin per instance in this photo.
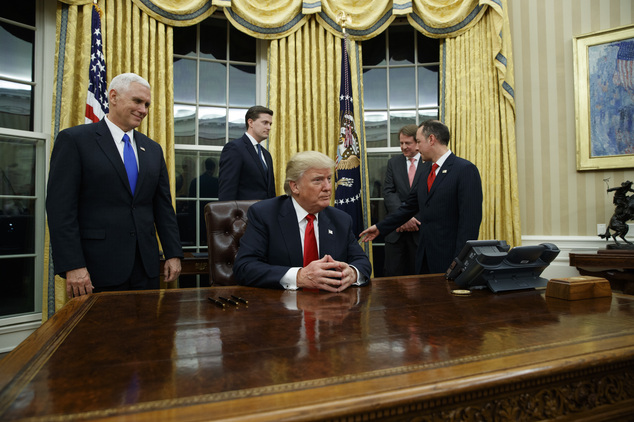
(242, 174)
(450, 213)
(272, 245)
(94, 219)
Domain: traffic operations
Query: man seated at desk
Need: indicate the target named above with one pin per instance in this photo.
(297, 240)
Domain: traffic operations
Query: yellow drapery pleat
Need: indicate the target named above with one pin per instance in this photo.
(482, 122)
(303, 93)
(133, 42)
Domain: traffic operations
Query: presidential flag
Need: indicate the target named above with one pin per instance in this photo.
(348, 170)
(97, 98)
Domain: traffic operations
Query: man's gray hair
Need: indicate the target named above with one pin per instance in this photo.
(121, 83)
(303, 161)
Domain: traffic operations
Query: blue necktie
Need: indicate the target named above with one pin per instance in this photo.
(129, 160)
(261, 156)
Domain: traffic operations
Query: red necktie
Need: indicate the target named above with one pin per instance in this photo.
(432, 176)
(412, 171)
(310, 242)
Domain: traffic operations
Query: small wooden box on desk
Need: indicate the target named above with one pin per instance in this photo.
(576, 288)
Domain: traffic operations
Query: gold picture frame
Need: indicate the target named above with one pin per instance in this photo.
(604, 99)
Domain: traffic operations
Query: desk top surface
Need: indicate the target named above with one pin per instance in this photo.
(142, 353)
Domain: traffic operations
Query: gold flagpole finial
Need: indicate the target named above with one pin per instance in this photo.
(343, 19)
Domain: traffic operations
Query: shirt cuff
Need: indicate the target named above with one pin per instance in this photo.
(289, 280)
(361, 278)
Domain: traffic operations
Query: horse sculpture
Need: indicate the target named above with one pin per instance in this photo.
(624, 211)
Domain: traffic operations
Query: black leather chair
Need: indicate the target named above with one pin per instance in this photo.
(226, 222)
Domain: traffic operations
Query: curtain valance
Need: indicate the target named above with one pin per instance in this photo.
(275, 19)
(169, 12)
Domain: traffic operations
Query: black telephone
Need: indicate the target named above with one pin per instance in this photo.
(489, 263)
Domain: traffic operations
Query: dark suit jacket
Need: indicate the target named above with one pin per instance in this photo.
(242, 174)
(397, 188)
(451, 212)
(94, 220)
(272, 245)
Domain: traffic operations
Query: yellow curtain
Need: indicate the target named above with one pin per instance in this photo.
(303, 91)
(481, 117)
(134, 42)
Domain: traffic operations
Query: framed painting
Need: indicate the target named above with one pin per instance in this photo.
(604, 96)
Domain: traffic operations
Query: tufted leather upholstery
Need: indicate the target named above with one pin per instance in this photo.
(226, 222)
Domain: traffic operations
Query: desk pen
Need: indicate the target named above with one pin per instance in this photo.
(233, 302)
(217, 302)
(239, 299)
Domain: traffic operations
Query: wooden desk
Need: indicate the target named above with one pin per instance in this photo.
(615, 265)
(401, 349)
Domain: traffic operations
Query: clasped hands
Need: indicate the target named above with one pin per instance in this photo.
(326, 274)
(410, 226)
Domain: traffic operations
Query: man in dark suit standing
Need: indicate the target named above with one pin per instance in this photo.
(108, 195)
(449, 196)
(402, 172)
(297, 240)
(246, 167)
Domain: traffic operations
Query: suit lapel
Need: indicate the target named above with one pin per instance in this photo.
(401, 174)
(326, 234)
(254, 154)
(287, 220)
(107, 145)
(141, 148)
(442, 174)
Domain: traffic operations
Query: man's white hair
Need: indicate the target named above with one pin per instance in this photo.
(121, 83)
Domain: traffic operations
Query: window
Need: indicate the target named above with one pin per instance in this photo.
(17, 40)
(27, 32)
(400, 79)
(214, 84)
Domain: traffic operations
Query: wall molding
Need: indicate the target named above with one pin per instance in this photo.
(19, 329)
(560, 267)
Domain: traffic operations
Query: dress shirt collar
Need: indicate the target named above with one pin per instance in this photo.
(117, 132)
(252, 139)
(301, 213)
(416, 157)
(442, 159)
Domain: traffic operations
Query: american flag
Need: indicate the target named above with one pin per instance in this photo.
(348, 168)
(97, 98)
(624, 74)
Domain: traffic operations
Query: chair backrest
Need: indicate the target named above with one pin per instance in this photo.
(226, 222)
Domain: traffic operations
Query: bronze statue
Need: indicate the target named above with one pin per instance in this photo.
(623, 212)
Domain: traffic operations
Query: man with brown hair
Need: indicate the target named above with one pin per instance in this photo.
(402, 172)
(246, 167)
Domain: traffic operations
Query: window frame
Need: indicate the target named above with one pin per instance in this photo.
(16, 327)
